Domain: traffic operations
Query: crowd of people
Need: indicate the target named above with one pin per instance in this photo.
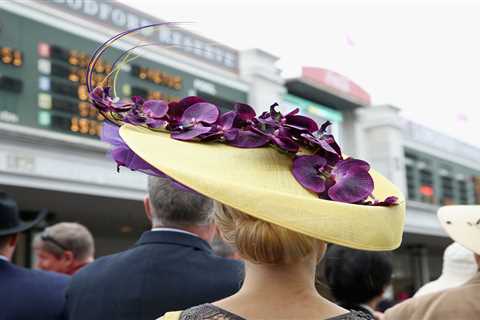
(173, 267)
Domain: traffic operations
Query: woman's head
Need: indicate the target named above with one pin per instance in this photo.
(355, 276)
(262, 242)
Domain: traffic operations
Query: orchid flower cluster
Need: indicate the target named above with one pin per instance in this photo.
(318, 164)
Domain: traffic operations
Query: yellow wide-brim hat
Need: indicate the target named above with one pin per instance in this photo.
(259, 182)
(462, 224)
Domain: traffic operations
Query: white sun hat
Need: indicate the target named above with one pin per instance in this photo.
(459, 266)
(462, 224)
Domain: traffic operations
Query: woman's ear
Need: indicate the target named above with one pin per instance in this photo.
(322, 249)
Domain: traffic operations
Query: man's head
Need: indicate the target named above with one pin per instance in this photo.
(64, 247)
(171, 206)
(7, 245)
(11, 224)
(357, 276)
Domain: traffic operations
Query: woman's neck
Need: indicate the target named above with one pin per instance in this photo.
(280, 280)
(281, 291)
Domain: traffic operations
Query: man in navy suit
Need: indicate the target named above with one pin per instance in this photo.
(25, 294)
(171, 267)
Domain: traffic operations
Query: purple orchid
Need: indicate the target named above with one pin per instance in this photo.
(233, 127)
(223, 128)
(292, 120)
(324, 172)
(195, 121)
(299, 123)
(177, 108)
(308, 172)
(389, 201)
(353, 183)
(155, 111)
(135, 115)
(284, 131)
(244, 112)
(241, 134)
(281, 138)
(348, 181)
(103, 101)
(324, 126)
(123, 155)
(324, 146)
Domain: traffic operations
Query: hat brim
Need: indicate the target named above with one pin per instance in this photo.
(259, 182)
(462, 224)
(25, 225)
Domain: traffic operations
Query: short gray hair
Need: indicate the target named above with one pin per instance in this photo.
(67, 235)
(222, 248)
(173, 206)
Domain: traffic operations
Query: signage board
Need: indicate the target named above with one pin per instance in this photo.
(42, 78)
(118, 16)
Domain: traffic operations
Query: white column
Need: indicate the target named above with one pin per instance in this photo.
(378, 136)
(258, 69)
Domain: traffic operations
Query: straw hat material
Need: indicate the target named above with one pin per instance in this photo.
(259, 182)
(462, 224)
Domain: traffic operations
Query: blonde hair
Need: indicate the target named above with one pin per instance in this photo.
(262, 242)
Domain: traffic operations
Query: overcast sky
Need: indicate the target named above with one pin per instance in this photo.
(421, 56)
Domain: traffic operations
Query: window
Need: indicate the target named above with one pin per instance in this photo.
(439, 181)
(410, 162)
(476, 187)
(462, 191)
(426, 188)
(446, 187)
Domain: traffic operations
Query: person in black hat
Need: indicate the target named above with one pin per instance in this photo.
(25, 294)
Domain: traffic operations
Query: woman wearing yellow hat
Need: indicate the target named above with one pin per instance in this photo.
(283, 186)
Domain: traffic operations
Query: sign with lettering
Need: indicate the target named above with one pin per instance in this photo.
(43, 78)
(122, 17)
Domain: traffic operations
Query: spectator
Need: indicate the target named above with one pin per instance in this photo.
(279, 221)
(357, 278)
(171, 267)
(462, 224)
(458, 267)
(25, 294)
(64, 248)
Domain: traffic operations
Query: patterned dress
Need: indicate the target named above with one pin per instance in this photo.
(210, 312)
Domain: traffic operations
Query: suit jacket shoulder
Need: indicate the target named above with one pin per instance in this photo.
(456, 303)
(45, 292)
(164, 271)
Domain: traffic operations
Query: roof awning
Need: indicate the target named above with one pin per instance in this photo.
(328, 88)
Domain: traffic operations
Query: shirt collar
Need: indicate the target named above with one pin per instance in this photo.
(4, 258)
(174, 230)
(173, 237)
